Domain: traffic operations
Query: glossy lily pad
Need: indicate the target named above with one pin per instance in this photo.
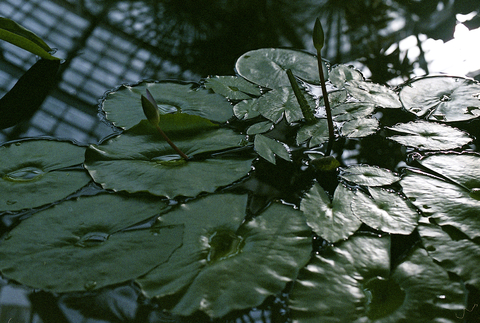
(369, 175)
(460, 256)
(267, 66)
(78, 245)
(386, 211)
(332, 220)
(123, 106)
(260, 127)
(317, 133)
(429, 136)
(352, 110)
(352, 282)
(140, 160)
(359, 128)
(442, 98)
(340, 74)
(31, 173)
(224, 265)
(375, 93)
(232, 87)
(269, 148)
(449, 203)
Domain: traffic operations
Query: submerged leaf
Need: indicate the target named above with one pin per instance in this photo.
(332, 220)
(224, 265)
(269, 148)
(369, 175)
(140, 160)
(267, 66)
(442, 98)
(31, 173)
(123, 106)
(385, 211)
(448, 203)
(232, 87)
(352, 282)
(429, 136)
(78, 245)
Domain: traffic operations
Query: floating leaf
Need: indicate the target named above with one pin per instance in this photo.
(385, 211)
(232, 87)
(341, 74)
(448, 203)
(123, 106)
(270, 148)
(78, 245)
(246, 109)
(31, 173)
(442, 98)
(429, 136)
(369, 175)
(317, 133)
(375, 93)
(352, 282)
(224, 265)
(140, 160)
(359, 128)
(17, 35)
(267, 66)
(460, 256)
(260, 127)
(332, 220)
(352, 110)
(276, 103)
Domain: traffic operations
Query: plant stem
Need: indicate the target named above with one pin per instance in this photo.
(331, 134)
(306, 109)
(181, 153)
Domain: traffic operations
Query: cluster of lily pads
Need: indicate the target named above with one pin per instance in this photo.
(131, 208)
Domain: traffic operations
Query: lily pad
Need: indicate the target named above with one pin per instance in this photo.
(269, 148)
(317, 133)
(369, 175)
(359, 128)
(386, 211)
(352, 110)
(429, 136)
(260, 127)
(267, 67)
(458, 256)
(124, 109)
(332, 220)
(340, 74)
(442, 98)
(224, 265)
(78, 245)
(449, 203)
(31, 173)
(232, 87)
(375, 93)
(140, 160)
(352, 282)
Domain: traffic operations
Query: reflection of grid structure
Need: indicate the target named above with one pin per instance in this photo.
(106, 58)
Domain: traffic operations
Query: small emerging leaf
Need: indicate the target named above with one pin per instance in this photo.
(318, 35)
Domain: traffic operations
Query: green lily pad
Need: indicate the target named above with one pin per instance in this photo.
(374, 93)
(442, 98)
(369, 175)
(246, 109)
(317, 133)
(260, 127)
(31, 173)
(359, 128)
(458, 256)
(269, 148)
(124, 109)
(447, 202)
(429, 136)
(267, 67)
(332, 220)
(78, 245)
(140, 160)
(232, 87)
(352, 110)
(340, 74)
(224, 265)
(352, 282)
(385, 210)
